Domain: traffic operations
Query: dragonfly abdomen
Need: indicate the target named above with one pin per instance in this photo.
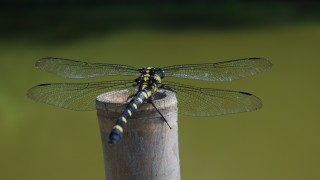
(117, 130)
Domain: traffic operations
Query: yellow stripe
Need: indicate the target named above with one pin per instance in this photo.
(124, 119)
(158, 78)
(154, 89)
(149, 93)
(145, 95)
(134, 105)
(118, 127)
(140, 100)
(129, 112)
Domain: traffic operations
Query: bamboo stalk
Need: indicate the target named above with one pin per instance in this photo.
(149, 149)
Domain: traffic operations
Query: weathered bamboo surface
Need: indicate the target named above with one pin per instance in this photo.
(149, 148)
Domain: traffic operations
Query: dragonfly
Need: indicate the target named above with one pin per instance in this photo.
(192, 100)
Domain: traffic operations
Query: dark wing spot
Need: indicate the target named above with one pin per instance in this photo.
(246, 93)
(44, 84)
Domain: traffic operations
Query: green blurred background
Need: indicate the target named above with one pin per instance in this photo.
(278, 142)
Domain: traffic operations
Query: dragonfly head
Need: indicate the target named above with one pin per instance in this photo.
(152, 71)
(160, 72)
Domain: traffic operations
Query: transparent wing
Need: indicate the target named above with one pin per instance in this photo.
(77, 69)
(195, 101)
(75, 96)
(221, 71)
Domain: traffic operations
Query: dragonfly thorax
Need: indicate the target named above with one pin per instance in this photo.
(150, 77)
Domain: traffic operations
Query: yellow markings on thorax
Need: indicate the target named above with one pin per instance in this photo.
(149, 93)
(129, 112)
(118, 127)
(144, 85)
(157, 77)
(154, 88)
(145, 77)
(124, 119)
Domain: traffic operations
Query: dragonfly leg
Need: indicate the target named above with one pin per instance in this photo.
(164, 119)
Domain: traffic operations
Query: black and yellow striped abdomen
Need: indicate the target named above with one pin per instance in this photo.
(117, 130)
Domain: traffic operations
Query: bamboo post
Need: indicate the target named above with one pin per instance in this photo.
(149, 148)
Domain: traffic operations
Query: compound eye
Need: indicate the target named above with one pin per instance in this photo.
(161, 73)
(142, 70)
